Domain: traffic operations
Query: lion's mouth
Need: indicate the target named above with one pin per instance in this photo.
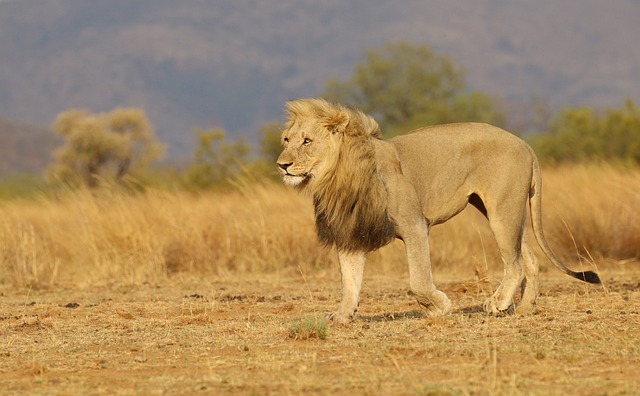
(294, 180)
(303, 175)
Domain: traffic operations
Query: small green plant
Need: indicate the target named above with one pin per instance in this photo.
(308, 328)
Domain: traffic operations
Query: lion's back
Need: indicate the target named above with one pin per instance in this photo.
(461, 143)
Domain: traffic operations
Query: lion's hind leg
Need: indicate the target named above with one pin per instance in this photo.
(508, 232)
(529, 288)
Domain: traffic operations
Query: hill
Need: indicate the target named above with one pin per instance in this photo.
(232, 63)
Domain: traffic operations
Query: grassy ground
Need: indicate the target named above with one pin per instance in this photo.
(234, 336)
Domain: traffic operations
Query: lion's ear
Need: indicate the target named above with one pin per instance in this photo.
(337, 122)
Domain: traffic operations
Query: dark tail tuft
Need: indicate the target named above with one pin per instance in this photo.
(589, 277)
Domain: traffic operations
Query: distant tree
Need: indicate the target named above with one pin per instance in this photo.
(404, 86)
(103, 146)
(216, 159)
(586, 134)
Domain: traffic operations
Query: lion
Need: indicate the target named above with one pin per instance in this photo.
(367, 191)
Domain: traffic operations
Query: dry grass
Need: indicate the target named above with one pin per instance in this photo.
(84, 238)
(102, 238)
(171, 292)
(598, 206)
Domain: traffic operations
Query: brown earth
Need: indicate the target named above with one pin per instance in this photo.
(233, 336)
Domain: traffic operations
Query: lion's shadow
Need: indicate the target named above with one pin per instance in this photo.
(416, 314)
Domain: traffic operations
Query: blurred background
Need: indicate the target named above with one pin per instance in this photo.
(227, 66)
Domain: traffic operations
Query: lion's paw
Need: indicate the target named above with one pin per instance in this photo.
(525, 309)
(490, 306)
(435, 303)
(339, 318)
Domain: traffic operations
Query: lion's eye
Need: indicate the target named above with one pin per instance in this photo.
(306, 142)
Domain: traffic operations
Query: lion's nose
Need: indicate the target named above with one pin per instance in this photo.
(284, 165)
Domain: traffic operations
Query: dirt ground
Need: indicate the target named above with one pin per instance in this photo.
(233, 336)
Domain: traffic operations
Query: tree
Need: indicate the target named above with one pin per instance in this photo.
(216, 159)
(103, 146)
(404, 86)
(586, 134)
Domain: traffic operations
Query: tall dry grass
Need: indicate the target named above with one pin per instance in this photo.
(593, 210)
(82, 237)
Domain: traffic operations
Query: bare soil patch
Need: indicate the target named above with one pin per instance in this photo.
(231, 336)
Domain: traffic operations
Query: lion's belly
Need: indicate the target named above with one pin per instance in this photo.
(443, 198)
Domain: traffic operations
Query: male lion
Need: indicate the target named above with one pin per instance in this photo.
(367, 191)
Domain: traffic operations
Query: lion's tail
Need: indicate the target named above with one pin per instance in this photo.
(535, 202)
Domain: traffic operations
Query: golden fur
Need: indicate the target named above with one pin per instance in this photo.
(367, 190)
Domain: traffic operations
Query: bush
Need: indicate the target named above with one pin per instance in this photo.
(103, 146)
(216, 159)
(585, 134)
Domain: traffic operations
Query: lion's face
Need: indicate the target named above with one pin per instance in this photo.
(307, 151)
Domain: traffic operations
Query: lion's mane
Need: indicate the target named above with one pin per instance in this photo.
(349, 198)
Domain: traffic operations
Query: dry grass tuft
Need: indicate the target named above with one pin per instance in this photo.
(309, 328)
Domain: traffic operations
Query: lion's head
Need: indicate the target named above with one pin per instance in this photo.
(314, 136)
(328, 150)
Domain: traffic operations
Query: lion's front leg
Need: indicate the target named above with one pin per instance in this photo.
(352, 270)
